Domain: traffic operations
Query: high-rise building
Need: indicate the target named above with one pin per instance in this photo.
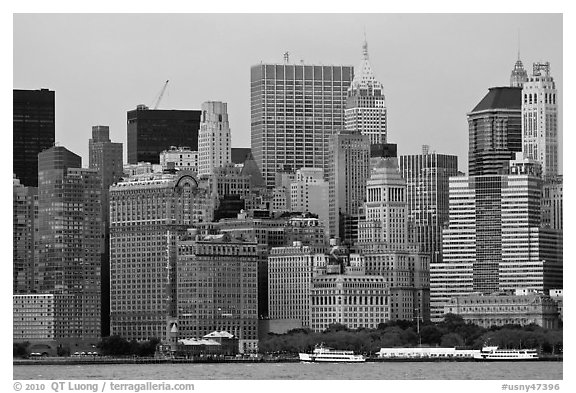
(495, 131)
(214, 143)
(33, 132)
(24, 225)
(106, 157)
(540, 119)
(151, 131)
(426, 178)
(383, 238)
(552, 203)
(217, 287)
(494, 240)
(70, 241)
(147, 214)
(365, 104)
(518, 76)
(294, 111)
(348, 172)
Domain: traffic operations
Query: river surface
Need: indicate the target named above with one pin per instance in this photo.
(307, 371)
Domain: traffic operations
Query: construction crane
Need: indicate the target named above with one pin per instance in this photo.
(160, 95)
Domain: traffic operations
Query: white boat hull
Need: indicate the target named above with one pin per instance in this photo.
(306, 357)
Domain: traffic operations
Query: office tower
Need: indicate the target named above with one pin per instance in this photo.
(24, 224)
(33, 132)
(289, 280)
(226, 180)
(347, 174)
(519, 75)
(385, 207)
(106, 157)
(294, 111)
(540, 119)
(147, 214)
(309, 193)
(307, 230)
(552, 203)
(383, 240)
(250, 168)
(217, 287)
(70, 241)
(426, 178)
(365, 103)
(151, 131)
(214, 137)
(182, 157)
(494, 240)
(495, 131)
(34, 317)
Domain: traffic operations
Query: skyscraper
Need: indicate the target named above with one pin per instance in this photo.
(151, 131)
(494, 240)
(24, 222)
(518, 76)
(106, 157)
(217, 287)
(214, 142)
(34, 131)
(294, 111)
(495, 131)
(383, 239)
(427, 176)
(347, 174)
(540, 119)
(365, 104)
(70, 241)
(147, 214)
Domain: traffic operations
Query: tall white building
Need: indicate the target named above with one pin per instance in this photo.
(494, 240)
(365, 104)
(540, 119)
(295, 108)
(214, 144)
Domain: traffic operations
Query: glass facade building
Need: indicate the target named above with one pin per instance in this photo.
(34, 131)
(294, 111)
(151, 131)
(495, 131)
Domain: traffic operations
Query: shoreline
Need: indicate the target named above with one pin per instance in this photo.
(94, 361)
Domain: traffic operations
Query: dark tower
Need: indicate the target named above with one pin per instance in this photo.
(34, 131)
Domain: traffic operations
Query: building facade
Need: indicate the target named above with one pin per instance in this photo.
(214, 143)
(504, 309)
(24, 224)
(427, 176)
(217, 288)
(34, 317)
(540, 119)
(294, 111)
(34, 131)
(183, 158)
(495, 131)
(494, 240)
(70, 241)
(151, 131)
(309, 193)
(365, 104)
(106, 157)
(147, 215)
(347, 175)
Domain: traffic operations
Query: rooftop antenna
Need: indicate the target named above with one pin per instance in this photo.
(286, 57)
(518, 44)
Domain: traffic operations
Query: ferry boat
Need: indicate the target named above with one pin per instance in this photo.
(494, 353)
(322, 353)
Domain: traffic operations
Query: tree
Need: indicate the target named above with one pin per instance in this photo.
(430, 335)
(114, 346)
(452, 340)
(20, 349)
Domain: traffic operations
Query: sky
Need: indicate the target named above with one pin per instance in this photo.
(434, 67)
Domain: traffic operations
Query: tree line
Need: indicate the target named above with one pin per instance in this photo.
(452, 332)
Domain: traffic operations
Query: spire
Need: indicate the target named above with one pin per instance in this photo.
(519, 74)
(363, 75)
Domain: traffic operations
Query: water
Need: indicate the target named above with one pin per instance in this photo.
(308, 371)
